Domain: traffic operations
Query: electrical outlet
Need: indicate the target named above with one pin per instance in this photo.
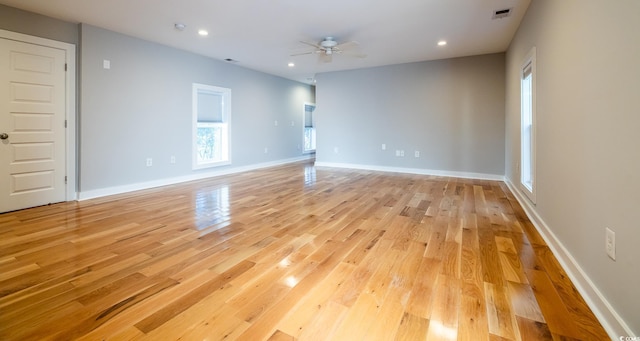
(610, 245)
(275, 123)
(384, 146)
(336, 150)
(416, 153)
(149, 162)
(402, 153)
(173, 160)
(266, 150)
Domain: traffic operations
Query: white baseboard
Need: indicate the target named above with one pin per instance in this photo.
(611, 321)
(465, 175)
(102, 192)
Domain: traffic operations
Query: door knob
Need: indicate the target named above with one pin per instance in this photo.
(4, 136)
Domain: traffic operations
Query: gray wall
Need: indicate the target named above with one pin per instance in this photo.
(451, 111)
(13, 19)
(588, 164)
(141, 107)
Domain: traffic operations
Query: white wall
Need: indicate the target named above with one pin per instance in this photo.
(588, 140)
(451, 111)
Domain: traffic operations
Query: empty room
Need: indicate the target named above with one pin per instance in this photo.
(330, 170)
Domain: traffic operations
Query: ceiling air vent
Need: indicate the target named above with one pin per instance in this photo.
(230, 60)
(501, 13)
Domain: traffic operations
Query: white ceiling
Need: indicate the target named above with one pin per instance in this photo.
(262, 34)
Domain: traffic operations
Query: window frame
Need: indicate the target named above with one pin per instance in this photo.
(225, 124)
(527, 169)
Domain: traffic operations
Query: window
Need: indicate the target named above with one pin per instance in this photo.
(309, 129)
(211, 126)
(528, 126)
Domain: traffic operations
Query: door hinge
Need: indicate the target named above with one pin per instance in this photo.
(65, 179)
(65, 123)
(65, 66)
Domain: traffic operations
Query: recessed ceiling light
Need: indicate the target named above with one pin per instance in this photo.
(203, 33)
(442, 43)
(180, 26)
(291, 64)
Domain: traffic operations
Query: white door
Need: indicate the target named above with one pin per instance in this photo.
(32, 125)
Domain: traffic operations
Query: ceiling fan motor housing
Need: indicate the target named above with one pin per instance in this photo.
(328, 44)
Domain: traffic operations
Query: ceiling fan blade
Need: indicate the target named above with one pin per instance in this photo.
(301, 54)
(346, 45)
(311, 44)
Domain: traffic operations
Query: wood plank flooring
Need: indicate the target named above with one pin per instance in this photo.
(288, 253)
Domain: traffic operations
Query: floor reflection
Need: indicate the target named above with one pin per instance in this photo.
(309, 175)
(211, 206)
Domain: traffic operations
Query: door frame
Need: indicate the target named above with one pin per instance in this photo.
(71, 191)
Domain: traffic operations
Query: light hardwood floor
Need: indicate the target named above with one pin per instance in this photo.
(285, 253)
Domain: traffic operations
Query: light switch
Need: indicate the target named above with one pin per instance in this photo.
(106, 64)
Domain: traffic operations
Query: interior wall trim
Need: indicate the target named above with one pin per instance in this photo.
(610, 319)
(71, 193)
(103, 192)
(421, 171)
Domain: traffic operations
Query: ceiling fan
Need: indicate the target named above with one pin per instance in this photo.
(327, 48)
